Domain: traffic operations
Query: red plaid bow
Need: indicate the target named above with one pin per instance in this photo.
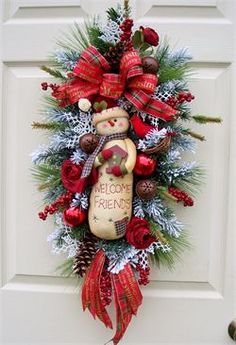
(91, 77)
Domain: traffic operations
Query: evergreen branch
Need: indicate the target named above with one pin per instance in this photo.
(172, 65)
(201, 119)
(195, 135)
(174, 73)
(94, 34)
(190, 184)
(155, 230)
(66, 268)
(50, 102)
(53, 72)
(164, 193)
(53, 193)
(76, 40)
(112, 14)
(127, 8)
(51, 126)
(170, 258)
(47, 176)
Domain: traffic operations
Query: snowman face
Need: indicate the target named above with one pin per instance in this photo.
(113, 125)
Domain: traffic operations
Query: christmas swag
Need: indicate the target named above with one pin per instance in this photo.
(118, 120)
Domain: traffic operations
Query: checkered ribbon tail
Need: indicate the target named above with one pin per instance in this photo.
(88, 166)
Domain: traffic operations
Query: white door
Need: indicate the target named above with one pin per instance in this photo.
(192, 305)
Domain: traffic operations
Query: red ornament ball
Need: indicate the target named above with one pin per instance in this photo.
(145, 165)
(74, 216)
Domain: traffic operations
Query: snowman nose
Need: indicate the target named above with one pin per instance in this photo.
(111, 123)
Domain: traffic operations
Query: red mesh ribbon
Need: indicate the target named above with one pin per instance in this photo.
(91, 297)
(127, 295)
(92, 77)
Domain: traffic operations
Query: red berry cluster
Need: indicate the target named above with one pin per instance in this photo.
(45, 86)
(185, 97)
(174, 101)
(63, 200)
(126, 28)
(105, 288)
(143, 275)
(181, 196)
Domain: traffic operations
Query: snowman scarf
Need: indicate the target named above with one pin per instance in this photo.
(88, 166)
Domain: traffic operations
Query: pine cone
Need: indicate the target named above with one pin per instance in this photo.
(84, 256)
(114, 55)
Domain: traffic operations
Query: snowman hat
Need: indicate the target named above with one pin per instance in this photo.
(107, 114)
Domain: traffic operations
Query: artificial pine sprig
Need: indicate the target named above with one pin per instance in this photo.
(202, 119)
(50, 126)
(195, 135)
(47, 176)
(170, 258)
(53, 72)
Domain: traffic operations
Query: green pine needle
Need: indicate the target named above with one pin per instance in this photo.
(194, 135)
(178, 246)
(53, 72)
(112, 14)
(66, 268)
(50, 126)
(127, 8)
(93, 35)
(50, 102)
(201, 119)
(170, 66)
(174, 73)
(76, 39)
(46, 176)
(191, 184)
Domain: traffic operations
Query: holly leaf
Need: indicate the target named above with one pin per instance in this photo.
(138, 38)
(99, 106)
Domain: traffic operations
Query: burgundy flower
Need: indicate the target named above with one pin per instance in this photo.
(70, 175)
(150, 36)
(138, 233)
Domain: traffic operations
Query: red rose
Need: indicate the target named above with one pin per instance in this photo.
(150, 36)
(70, 175)
(138, 233)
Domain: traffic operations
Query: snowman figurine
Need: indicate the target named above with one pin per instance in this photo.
(111, 197)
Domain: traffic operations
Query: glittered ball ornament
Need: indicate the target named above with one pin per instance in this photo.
(74, 216)
(145, 165)
(88, 143)
(150, 65)
(146, 189)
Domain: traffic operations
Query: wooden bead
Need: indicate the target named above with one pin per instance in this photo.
(150, 65)
(146, 189)
(88, 142)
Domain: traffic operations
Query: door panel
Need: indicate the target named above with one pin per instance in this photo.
(37, 305)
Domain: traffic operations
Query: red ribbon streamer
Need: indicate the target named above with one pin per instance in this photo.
(127, 295)
(91, 77)
(128, 298)
(91, 297)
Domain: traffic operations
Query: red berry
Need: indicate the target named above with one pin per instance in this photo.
(44, 86)
(181, 196)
